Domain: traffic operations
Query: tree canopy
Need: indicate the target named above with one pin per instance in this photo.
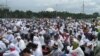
(43, 14)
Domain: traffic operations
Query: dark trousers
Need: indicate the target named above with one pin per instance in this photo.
(1, 54)
(24, 36)
(91, 54)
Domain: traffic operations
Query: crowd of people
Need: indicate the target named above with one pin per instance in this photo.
(48, 37)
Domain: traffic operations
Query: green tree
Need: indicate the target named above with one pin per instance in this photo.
(29, 14)
(96, 14)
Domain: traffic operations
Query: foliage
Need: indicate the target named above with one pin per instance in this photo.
(43, 14)
(97, 49)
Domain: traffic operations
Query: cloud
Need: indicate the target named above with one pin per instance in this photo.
(60, 5)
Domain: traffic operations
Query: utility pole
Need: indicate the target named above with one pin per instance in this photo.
(6, 3)
(83, 7)
(56, 11)
(6, 8)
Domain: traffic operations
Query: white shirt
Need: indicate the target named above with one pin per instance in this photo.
(2, 47)
(9, 53)
(36, 39)
(61, 38)
(9, 37)
(78, 51)
(60, 45)
(21, 44)
(15, 28)
(81, 42)
(41, 38)
(38, 51)
(42, 32)
(18, 23)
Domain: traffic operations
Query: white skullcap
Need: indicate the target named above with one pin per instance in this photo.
(9, 31)
(18, 37)
(75, 40)
(11, 45)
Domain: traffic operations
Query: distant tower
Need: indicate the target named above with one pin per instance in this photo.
(83, 7)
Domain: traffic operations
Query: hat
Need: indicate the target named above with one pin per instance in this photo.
(9, 31)
(18, 37)
(11, 45)
(75, 40)
(75, 43)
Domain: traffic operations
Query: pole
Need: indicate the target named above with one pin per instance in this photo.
(6, 11)
(6, 3)
(56, 11)
(83, 7)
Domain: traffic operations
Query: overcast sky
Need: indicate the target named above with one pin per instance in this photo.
(74, 6)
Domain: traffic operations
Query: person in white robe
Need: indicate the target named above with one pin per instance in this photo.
(56, 40)
(41, 38)
(21, 44)
(76, 50)
(12, 51)
(56, 51)
(2, 46)
(38, 51)
(9, 36)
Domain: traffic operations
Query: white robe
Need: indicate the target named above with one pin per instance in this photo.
(78, 51)
(21, 44)
(41, 38)
(2, 47)
(9, 37)
(9, 53)
(60, 45)
(38, 51)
